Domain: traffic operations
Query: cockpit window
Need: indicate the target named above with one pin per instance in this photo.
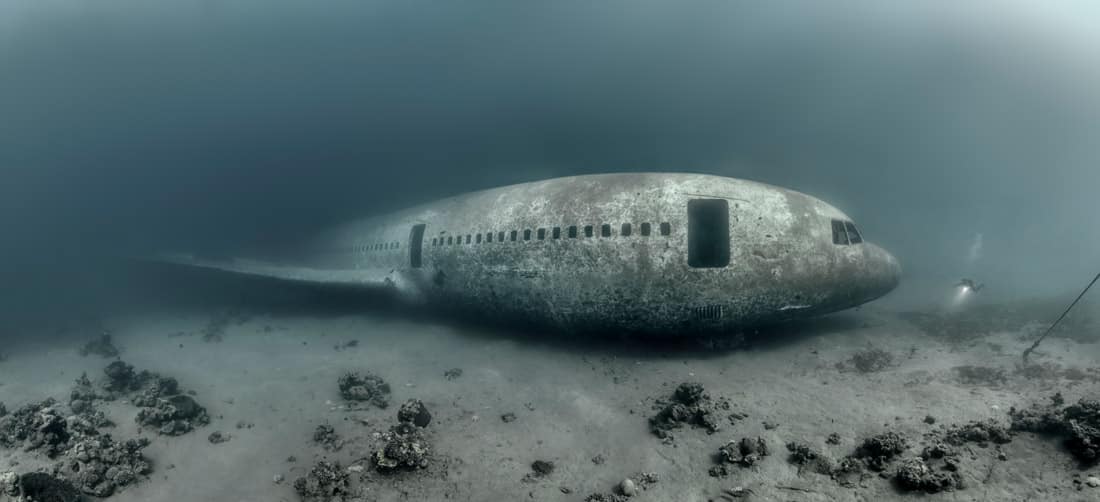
(844, 233)
(840, 236)
(853, 234)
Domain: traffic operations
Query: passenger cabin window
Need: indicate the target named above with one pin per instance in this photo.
(708, 233)
(666, 229)
(645, 229)
(605, 230)
(500, 236)
(853, 234)
(625, 231)
(513, 237)
(479, 238)
(573, 232)
(840, 236)
(489, 237)
(450, 241)
(527, 234)
(542, 233)
(588, 230)
(556, 232)
(468, 238)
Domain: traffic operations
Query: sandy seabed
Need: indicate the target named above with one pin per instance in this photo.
(272, 379)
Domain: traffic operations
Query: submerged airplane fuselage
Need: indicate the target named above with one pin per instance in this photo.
(650, 252)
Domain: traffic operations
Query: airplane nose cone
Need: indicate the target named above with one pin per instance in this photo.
(895, 270)
(888, 270)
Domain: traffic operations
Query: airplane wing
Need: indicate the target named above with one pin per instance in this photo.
(367, 278)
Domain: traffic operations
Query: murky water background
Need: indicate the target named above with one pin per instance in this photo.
(961, 138)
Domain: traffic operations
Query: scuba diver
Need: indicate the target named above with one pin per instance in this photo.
(970, 285)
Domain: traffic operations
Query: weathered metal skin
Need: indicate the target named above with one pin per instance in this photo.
(783, 261)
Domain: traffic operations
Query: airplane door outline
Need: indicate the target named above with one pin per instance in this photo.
(416, 245)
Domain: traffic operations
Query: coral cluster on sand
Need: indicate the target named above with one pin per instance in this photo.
(405, 446)
(689, 405)
(325, 482)
(91, 462)
(365, 387)
(164, 407)
(1077, 424)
